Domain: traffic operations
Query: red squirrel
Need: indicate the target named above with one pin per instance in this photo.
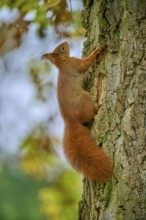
(77, 107)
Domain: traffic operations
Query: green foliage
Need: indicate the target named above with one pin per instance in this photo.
(60, 14)
(24, 197)
(60, 201)
(38, 154)
(18, 193)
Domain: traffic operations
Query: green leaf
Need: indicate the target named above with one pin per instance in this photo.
(53, 3)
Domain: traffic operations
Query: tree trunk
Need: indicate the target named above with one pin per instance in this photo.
(119, 27)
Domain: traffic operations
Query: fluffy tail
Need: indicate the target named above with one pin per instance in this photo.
(84, 155)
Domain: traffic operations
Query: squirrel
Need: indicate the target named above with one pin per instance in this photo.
(77, 108)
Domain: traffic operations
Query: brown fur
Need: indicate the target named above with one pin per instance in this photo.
(84, 155)
(77, 107)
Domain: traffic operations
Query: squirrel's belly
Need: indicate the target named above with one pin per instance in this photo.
(70, 107)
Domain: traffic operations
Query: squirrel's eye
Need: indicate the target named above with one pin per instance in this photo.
(62, 48)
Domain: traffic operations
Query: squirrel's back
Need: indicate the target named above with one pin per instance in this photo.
(84, 155)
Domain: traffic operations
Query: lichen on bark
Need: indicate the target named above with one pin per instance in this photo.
(119, 28)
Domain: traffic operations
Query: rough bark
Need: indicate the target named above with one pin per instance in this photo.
(119, 27)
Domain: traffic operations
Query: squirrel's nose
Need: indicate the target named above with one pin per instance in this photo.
(44, 56)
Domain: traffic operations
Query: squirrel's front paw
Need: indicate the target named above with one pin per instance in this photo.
(97, 107)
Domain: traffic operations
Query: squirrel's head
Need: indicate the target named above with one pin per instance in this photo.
(59, 54)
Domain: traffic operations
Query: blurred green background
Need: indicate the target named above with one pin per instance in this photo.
(36, 182)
